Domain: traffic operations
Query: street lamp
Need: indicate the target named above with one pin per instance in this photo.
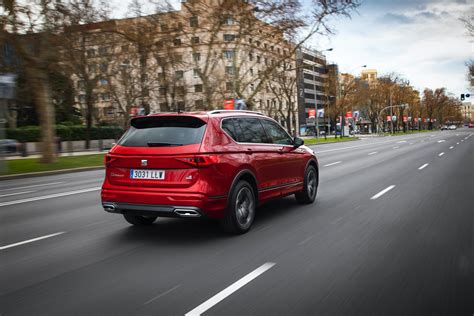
(405, 106)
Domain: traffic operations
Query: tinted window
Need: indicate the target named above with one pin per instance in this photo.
(250, 131)
(277, 133)
(229, 128)
(163, 131)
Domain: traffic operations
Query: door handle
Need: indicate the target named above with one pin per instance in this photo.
(249, 151)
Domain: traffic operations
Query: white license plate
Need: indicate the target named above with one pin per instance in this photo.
(147, 174)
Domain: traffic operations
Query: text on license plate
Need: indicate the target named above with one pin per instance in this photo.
(147, 174)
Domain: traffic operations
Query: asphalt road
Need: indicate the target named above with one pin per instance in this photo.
(391, 232)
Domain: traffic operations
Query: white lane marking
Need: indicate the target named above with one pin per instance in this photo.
(440, 154)
(457, 143)
(411, 143)
(462, 140)
(402, 141)
(376, 196)
(51, 196)
(16, 193)
(30, 240)
(161, 295)
(441, 141)
(396, 147)
(32, 186)
(350, 147)
(372, 153)
(332, 164)
(451, 147)
(229, 290)
(305, 241)
(424, 166)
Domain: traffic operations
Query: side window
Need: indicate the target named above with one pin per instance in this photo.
(277, 133)
(229, 128)
(251, 131)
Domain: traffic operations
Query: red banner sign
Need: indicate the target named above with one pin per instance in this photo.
(405, 119)
(229, 104)
(312, 113)
(389, 118)
(349, 114)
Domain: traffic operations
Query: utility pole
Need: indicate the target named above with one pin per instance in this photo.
(391, 112)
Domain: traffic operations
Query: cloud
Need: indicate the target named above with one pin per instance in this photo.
(394, 18)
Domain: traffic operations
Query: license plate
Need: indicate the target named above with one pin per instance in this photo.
(147, 174)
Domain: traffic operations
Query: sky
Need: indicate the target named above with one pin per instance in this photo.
(424, 41)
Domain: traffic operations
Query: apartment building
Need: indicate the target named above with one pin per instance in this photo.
(312, 85)
(191, 59)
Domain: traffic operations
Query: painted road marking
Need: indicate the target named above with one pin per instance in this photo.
(451, 147)
(51, 196)
(32, 186)
(17, 193)
(305, 241)
(161, 295)
(376, 196)
(396, 147)
(424, 166)
(30, 240)
(441, 141)
(402, 141)
(372, 153)
(440, 154)
(229, 290)
(457, 143)
(350, 147)
(332, 164)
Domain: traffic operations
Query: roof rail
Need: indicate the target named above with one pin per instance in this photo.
(234, 111)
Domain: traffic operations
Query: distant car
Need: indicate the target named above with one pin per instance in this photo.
(219, 164)
(452, 127)
(471, 125)
(444, 127)
(8, 145)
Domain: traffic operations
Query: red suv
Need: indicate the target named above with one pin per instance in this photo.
(219, 164)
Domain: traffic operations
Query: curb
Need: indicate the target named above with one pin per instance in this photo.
(48, 173)
(341, 141)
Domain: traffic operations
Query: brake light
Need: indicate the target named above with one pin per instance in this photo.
(108, 159)
(200, 161)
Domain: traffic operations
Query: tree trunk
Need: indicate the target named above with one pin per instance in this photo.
(42, 95)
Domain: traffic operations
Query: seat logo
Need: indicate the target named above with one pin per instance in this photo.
(144, 163)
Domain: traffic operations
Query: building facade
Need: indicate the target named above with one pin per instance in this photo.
(191, 59)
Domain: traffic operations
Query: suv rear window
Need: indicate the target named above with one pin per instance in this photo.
(162, 131)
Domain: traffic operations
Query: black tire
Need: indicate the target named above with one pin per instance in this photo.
(139, 220)
(310, 188)
(240, 211)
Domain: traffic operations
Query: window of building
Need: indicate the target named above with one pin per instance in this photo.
(229, 37)
(179, 74)
(81, 84)
(196, 57)
(82, 98)
(199, 104)
(178, 58)
(103, 51)
(250, 56)
(229, 20)
(193, 21)
(177, 42)
(229, 54)
(229, 86)
(196, 72)
(251, 71)
(258, 59)
(124, 48)
(257, 43)
(164, 27)
(198, 88)
(181, 106)
(105, 96)
(92, 68)
(109, 111)
(229, 70)
(91, 52)
(162, 91)
(180, 90)
(103, 67)
(103, 82)
(195, 40)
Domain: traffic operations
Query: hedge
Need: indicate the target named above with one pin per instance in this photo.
(75, 132)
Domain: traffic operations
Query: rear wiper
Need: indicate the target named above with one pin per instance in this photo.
(162, 144)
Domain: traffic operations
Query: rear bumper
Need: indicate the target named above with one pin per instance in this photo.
(152, 210)
(166, 204)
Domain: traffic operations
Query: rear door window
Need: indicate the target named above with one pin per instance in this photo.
(164, 131)
(250, 130)
(229, 128)
(277, 133)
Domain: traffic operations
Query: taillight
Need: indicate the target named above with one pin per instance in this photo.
(108, 159)
(200, 161)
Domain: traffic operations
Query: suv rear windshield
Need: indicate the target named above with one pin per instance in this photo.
(163, 131)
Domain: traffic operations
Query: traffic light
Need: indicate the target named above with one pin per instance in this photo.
(467, 95)
(462, 97)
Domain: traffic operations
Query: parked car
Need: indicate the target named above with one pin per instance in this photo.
(218, 164)
(452, 127)
(8, 145)
(444, 127)
(471, 125)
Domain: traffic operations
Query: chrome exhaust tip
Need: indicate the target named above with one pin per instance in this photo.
(186, 212)
(109, 207)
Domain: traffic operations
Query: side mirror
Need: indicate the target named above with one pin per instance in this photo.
(297, 142)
